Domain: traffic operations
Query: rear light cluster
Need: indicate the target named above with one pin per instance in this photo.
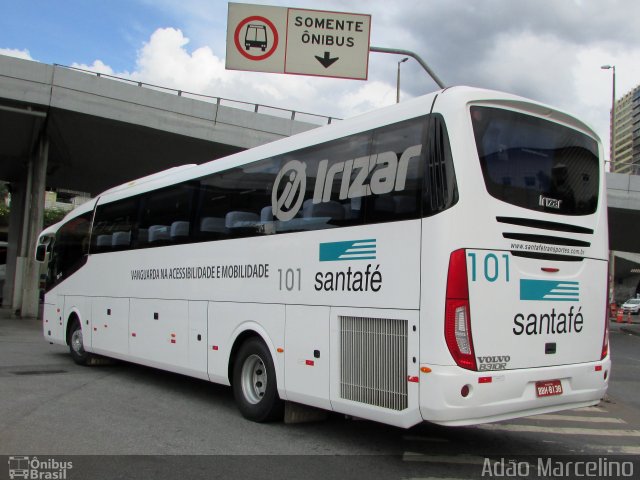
(457, 324)
(605, 341)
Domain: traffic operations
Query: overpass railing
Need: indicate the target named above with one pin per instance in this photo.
(255, 107)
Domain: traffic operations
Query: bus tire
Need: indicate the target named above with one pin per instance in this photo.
(76, 344)
(254, 383)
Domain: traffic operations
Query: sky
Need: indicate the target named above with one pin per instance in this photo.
(547, 50)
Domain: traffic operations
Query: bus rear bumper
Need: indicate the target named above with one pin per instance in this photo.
(495, 396)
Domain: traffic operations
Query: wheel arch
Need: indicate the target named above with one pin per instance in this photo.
(242, 334)
(74, 316)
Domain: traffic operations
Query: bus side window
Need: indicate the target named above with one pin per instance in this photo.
(70, 248)
(165, 217)
(391, 142)
(441, 191)
(237, 203)
(213, 204)
(330, 168)
(114, 225)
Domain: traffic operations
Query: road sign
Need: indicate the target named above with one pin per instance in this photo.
(256, 38)
(304, 42)
(329, 44)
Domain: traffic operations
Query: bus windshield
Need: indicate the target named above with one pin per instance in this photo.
(536, 164)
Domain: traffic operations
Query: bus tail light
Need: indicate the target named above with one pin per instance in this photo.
(605, 341)
(457, 321)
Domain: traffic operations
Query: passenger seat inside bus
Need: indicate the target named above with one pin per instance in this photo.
(241, 219)
(121, 240)
(158, 233)
(179, 231)
(103, 242)
(331, 210)
(266, 214)
(212, 225)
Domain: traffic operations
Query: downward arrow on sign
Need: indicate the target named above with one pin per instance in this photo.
(326, 61)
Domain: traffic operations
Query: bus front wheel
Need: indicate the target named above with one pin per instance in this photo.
(254, 383)
(76, 344)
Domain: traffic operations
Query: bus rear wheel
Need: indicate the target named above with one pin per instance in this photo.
(254, 383)
(76, 344)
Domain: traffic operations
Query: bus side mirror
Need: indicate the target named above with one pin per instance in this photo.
(41, 253)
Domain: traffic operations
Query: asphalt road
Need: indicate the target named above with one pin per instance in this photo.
(128, 421)
(625, 355)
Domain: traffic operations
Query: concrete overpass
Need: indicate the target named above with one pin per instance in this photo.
(65, 128)
(623, 200)
(70, 129)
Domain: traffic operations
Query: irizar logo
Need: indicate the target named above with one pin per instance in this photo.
(286, 206)
(549, 290)
(549, 202)
(375, 174)
(348, 250)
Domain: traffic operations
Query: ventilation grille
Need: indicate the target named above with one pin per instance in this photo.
(373, 361)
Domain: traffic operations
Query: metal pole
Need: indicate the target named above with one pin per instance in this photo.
(413, 55)
(612, 256)
(398, 80)
(613, 117)
(398, 84)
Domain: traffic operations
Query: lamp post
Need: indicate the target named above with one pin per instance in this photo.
(613, 112)
(612, 257)
(398, 79)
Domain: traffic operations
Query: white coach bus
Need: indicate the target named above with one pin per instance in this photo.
(441, 260)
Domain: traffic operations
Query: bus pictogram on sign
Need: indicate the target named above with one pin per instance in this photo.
(256, 38)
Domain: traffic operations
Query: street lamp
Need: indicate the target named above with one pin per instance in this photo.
(612, 256)
(398, 81)
(613, 111)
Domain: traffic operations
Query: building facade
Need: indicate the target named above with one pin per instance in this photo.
(625, 134)
(635, 112)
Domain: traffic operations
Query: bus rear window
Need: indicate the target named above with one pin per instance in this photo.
(536, 164)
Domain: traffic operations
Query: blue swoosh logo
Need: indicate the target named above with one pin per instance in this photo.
(348, 250)
(549, 290)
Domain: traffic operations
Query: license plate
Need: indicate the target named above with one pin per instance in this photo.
(548, 388)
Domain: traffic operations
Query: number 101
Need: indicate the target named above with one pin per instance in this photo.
(290, 279)
(491, 266)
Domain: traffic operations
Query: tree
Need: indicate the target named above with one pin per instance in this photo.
(53, 215)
